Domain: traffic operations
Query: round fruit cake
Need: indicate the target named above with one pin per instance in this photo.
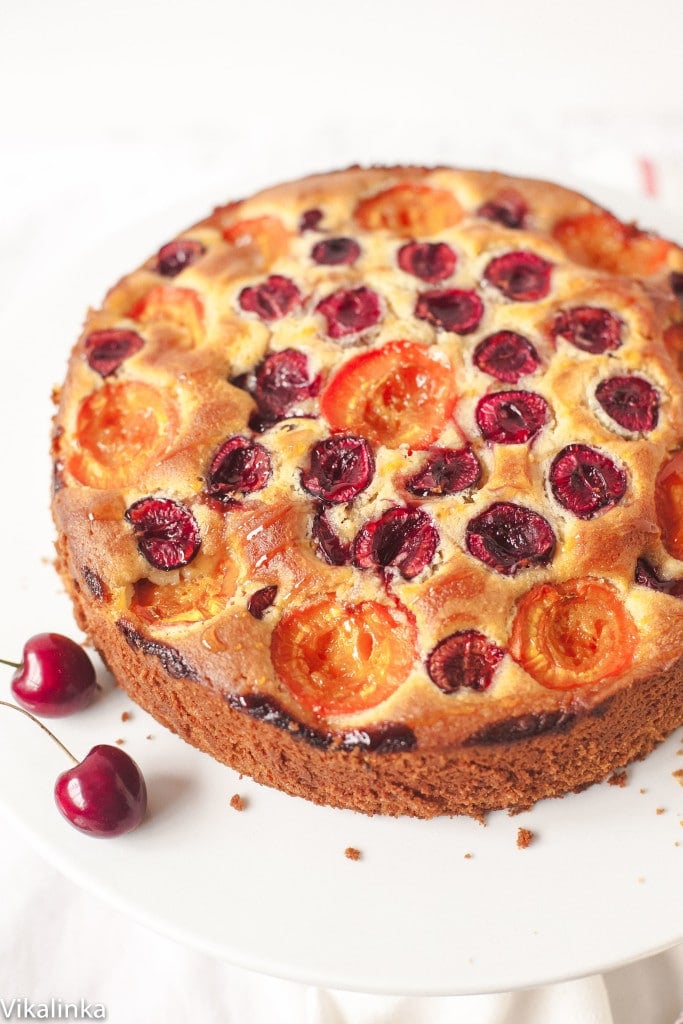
(370, 487)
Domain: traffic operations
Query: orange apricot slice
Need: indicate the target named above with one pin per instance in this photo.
(179, 307)
(267, 235)
(669, 504)
(573, 634)
(394, 395)
(409, 210)
(341, 658)
(121, 430)
(601, 240)
(190, 600)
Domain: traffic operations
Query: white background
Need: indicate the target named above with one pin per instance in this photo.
(111, 111)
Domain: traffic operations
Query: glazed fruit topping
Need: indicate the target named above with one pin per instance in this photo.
(173, 257)
(329, 545)
(393, 395)
(335, 252)
(585, 481)
(452, 310)
(647, 576)
(464, 659)
(511, 417)
(520, 276)
(350, 311)
(282, 383)
(630, 401)
(342, 658)
(166, 531)
(266, 238)
(669, 504)
(310, 220)
(106, 350)
(572, 634)
(240, 466)
(589, 328)
(403, 538)
(181, 308)
(260, 601)
(430, 261)
(272, 299)
(445, 471)
(388, 738)
(409, 210)
(105, 795)
(509, 537)
(194, 599)
(340, 467)
(56, 677)
(507, 207)
(507, 356)
(601, 240)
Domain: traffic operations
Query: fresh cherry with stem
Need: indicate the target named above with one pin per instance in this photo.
(55, 678)
(104, 794)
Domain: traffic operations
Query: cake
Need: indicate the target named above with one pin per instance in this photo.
(369, 486)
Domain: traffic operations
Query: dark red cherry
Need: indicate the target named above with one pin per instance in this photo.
(507, 207)
(509, 537)
(329, 545)
(105, 350)
(166, 531)
(647, 576)
(335, 252)
(451, 309)
(445, 471)
(387, 738)
(282, 382)
(260, 601)
(104, 795)
(430, 261)
(173, 257)
(464, 659)
(404, 538)
(676, 282)
(272, 299)
(56, 677)
(507, 356)
(585, 481)
(520, 276)
(630, 401)
(340, 467)
(511, 417)
(310, 220)
(588, 328)
(239, 466)
(350, 311)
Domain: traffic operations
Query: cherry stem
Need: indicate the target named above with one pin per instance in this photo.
(12, 664)
(15, 707)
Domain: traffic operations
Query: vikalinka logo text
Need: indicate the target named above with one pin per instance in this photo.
(52, 1009)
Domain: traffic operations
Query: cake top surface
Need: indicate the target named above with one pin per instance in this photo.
(386, 453)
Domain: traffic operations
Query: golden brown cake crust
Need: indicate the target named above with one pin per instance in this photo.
(214, 646)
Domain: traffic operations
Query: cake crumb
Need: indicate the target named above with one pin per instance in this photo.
(524, 837)
(618, 779)
(468, 856)
(120, 741)
(660, 810)
(641, 880)
(125, 715)
(352, 853)
(678, 776)
(237, 802)
(642, 790)
(149, 736)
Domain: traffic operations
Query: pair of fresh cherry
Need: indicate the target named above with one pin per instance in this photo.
(105, 793)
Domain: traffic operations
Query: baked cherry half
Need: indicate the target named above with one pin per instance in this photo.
(646, 575)
(509, 537)
(350, 311)
(464, 659)
(572, 634)
(335, 252)
(507, 356)
(328, 544)
(166, 531)
(272, 299)
(403, 538)
(445, 471)
(340, 467)
(282, 382)
(511, 417)
(239, 466)
(507, 207)
(589, 328)
(341, 658)
(106, 350)
(450, 309)
(630, 401)
(175, 256)
(520, 276)
(430, 261)
(585, 481)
